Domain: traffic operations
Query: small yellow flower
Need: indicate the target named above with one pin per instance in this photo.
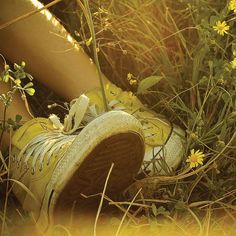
(17, 81)
(221, 27)
(195, 158)
(129, 76)
(233, 63)
(133, 82)
(232, 5)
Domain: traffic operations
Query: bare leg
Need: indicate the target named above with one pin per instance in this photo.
(50, 53)
(16, 107)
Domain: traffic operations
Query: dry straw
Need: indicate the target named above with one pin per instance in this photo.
(175, 40)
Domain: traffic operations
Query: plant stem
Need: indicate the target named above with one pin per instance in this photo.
(3, 124)
(11, 22)
(7, 187)
(92, 31)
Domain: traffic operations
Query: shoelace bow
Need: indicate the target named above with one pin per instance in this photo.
(51, 143)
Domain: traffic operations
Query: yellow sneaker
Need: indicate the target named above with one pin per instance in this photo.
(57, 163)
(164, 141)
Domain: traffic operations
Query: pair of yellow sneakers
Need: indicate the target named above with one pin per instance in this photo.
(58, 163)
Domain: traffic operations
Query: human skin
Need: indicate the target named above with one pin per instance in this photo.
(51, 54)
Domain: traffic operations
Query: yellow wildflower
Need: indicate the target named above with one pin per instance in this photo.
(233, 63)
(232, 5)
(195, 158)
(17, 81)
(133, 82)
(129, 76)
(221, 27)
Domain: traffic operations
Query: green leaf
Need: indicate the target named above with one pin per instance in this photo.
(30, 91)
(162, 211)
(30, 77)
(159, 211)
(6, 78)
(148, 82)
(19, 74)
(224, 132)
(234, 49)
(154, 209)
(16, 66)
(18, 118)
(30, 84)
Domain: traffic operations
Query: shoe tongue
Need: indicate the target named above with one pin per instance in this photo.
(30, 130)
(116, 95)
(157, 131)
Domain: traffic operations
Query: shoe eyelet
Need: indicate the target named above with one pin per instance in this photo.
(32, 171)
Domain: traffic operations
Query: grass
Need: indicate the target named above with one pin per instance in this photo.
(176, 41)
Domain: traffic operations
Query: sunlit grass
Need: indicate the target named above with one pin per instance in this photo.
(176, 41)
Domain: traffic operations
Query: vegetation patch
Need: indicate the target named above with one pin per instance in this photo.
(179, 58)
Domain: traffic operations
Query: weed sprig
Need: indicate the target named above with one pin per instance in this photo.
(191, 46)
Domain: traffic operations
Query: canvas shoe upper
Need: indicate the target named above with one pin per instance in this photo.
(52, 163)
(164, 141)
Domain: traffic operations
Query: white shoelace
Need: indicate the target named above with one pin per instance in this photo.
(119, 106)
(44, 145)
(51, 142)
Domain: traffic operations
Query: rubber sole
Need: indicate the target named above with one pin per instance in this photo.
(122, 150)
(114, 137)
